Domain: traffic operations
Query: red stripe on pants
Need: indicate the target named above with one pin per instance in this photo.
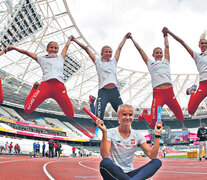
(161, 97)
(50, 89)
(196, 98)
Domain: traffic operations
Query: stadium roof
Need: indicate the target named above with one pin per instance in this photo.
(31, 24)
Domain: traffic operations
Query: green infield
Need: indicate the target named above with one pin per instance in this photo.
(176, 156)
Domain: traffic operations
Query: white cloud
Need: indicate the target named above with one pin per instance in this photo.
(106, 22)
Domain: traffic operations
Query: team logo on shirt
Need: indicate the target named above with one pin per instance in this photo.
(158, 63)
(132, 141)
(51, 55)
(203, 54)
(105, 60)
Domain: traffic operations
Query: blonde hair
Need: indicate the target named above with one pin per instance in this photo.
(124, 105)
(203, 36)
(155, 49)
(50, 43)
(106, 46)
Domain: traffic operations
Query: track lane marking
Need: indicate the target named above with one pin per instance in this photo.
(80, 163)
(46, 172)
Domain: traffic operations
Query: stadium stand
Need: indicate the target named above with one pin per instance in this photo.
(4, 113)
(173, 124)
(189, 123)
(73, 132)
(46, 120)
(204, 120)
(83, 125)
(70, 130)
(12, 113)
(41, 121)
(26, 145)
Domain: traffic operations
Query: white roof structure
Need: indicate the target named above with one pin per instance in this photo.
(31, 24)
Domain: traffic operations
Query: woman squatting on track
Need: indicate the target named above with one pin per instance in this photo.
(118, 147)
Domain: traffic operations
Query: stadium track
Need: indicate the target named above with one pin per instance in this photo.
(88, 168)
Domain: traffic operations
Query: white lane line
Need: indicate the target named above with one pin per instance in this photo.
(13, 161)
(46, 172)
(80, 163)
(181, 172)
(88, 177)
(185, 167)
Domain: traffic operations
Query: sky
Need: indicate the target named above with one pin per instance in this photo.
(105, 22)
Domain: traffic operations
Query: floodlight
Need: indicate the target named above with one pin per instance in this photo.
(26, 22)
(71, 66)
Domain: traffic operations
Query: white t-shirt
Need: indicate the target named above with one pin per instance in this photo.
(106, 71)
(201, 63)
(52, 67)
(159, 71)
(123, 149)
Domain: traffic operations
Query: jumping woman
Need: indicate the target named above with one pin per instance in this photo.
(52, 85)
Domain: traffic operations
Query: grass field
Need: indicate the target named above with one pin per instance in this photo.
(176, 156)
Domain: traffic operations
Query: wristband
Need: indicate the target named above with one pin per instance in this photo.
(104, 131)
(70, 37)
(5, 51)
(157, 136)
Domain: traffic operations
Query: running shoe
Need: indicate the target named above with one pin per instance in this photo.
(141, 116)
(36, 85)
(191, 89)
(91, 99)
(200, 159)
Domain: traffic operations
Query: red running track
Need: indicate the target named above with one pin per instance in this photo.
(88, 168)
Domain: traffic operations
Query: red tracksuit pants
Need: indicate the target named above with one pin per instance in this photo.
(50, 89)
(197, 97)
(161, 97)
